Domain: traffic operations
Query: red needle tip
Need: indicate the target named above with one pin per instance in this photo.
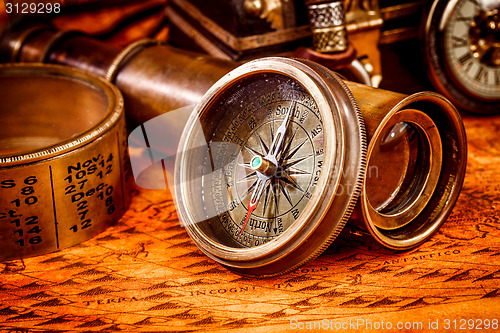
(251, 207)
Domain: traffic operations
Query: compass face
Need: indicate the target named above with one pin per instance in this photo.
(252, 126)
(462, 47)
(241, 131)
(264, 159)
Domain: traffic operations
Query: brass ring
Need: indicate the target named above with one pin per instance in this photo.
(425, 144)
(53, 40)
(19, 41)
(421, 167)
(126, 53)
(63, 158)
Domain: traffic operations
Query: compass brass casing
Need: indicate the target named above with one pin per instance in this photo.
(315, 178)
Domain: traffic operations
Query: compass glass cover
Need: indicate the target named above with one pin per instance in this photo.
(252, 161)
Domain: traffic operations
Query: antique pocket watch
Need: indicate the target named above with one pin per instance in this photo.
(462, 52)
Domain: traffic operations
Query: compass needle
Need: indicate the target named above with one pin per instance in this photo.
(254, 200)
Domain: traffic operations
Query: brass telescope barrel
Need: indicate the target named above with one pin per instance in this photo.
(152, 78)
(416, 163)
(417, 149)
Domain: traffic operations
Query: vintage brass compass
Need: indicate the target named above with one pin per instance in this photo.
(462, 48)
(270, 166)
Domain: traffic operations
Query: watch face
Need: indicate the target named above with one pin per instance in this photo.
(463, 52)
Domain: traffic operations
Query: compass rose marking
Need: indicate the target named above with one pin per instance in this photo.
(289, 180)
(285, 193)
(252, 151)
(263, 144)
(250, 175)
(292, 163)
(297, 171)
(295, 150)
(266, 198)
(287, 148)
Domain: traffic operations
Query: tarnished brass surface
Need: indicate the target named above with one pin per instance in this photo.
(63, 174)
(163, 78)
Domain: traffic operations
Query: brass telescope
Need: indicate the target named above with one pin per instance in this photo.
(415, 155)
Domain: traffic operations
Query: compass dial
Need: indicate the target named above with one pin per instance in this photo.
(261, 164)
(463, 52)
(289, 182)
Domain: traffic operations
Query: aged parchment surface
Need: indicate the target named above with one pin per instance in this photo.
(145, 274)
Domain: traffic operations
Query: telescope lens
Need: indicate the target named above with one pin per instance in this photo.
(403, 169)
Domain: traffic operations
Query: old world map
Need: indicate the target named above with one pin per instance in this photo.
(145, 274)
